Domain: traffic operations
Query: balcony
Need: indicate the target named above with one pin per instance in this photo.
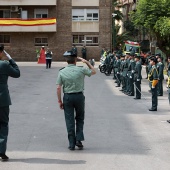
(85, 3)
(85, 26)
(28, 25)
(28, 2)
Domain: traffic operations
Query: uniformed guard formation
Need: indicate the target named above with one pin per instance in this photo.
(71, 78)
(127, 73)
(7, 68)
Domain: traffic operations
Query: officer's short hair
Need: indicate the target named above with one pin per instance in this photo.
(1, 47)
(70, 59)
(154, 59)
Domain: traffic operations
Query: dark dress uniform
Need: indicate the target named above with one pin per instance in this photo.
(7, 68)
(131, 70)
(137, 78)
(48, 57)
(72, 80)
(160, 68)
(153, 80)
(117, 71)
(83, 51)
(74, 50)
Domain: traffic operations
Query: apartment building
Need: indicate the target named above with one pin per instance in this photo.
(26, 25)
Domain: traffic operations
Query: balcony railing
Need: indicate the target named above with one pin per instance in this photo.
(28, 25)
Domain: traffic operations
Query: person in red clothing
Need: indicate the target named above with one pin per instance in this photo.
(42, 59)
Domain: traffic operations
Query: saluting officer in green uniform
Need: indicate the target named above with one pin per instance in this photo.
(160, 68)
(138, 77)
(7, 68)
(72, 80)
(153, 80)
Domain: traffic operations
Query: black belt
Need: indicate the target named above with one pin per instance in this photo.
(74, 93)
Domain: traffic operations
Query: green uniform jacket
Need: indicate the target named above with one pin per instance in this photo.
(138, 68)
(168, 70)
(160, 68)
(153, 74)
(7, 69)
(117, 65)
(131, 67)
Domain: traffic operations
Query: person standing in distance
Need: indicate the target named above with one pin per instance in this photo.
(48, 57)
(71, 78)
(7, 68)
(84, 51)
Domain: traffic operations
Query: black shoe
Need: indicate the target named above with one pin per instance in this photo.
(136, 98)
(79, 144)
(71, 148)
(120, 90)
(4, 157)
(168, 121)
(160, 94)
(151, 109)
(130, 94)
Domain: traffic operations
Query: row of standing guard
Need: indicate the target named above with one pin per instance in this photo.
(127, 74)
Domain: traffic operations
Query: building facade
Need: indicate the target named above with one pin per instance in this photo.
(26, 25)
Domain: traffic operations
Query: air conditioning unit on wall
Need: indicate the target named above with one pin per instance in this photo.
(14, 8)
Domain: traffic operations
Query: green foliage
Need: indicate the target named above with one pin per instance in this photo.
(149, 11)
(163, 26)
(129, 26)
(154, 15)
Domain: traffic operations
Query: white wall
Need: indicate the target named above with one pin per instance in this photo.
(85, 2)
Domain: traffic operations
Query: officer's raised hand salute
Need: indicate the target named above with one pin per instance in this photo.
(7, 68)
(71, 78)
(88, 64)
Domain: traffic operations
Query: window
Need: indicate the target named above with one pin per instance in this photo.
(41, 41)
(87, 40)
(78, 14)
(85, 14)
(41, 13)
(4, 39)
(92, 14)
(5, 14)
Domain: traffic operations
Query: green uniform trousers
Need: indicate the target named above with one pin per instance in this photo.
(74, 121)
(4, 119)
(154, 97)
(160, 88)
(138, 89)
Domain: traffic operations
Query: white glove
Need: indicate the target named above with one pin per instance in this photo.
(138, 79)
(153, 87)
(7, 55)
(130, 77)
(133, 71)
(118, 73)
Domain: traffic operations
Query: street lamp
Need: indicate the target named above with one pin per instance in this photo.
(113, 31)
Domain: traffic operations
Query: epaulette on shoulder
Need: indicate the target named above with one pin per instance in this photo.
(61, 68)
(6, 61)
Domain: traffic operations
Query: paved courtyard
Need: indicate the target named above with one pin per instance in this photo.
(120, 132)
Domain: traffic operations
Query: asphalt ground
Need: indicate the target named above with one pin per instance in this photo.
(120, 132)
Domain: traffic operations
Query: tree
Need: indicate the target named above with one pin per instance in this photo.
(154, 15)
(116, 37)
